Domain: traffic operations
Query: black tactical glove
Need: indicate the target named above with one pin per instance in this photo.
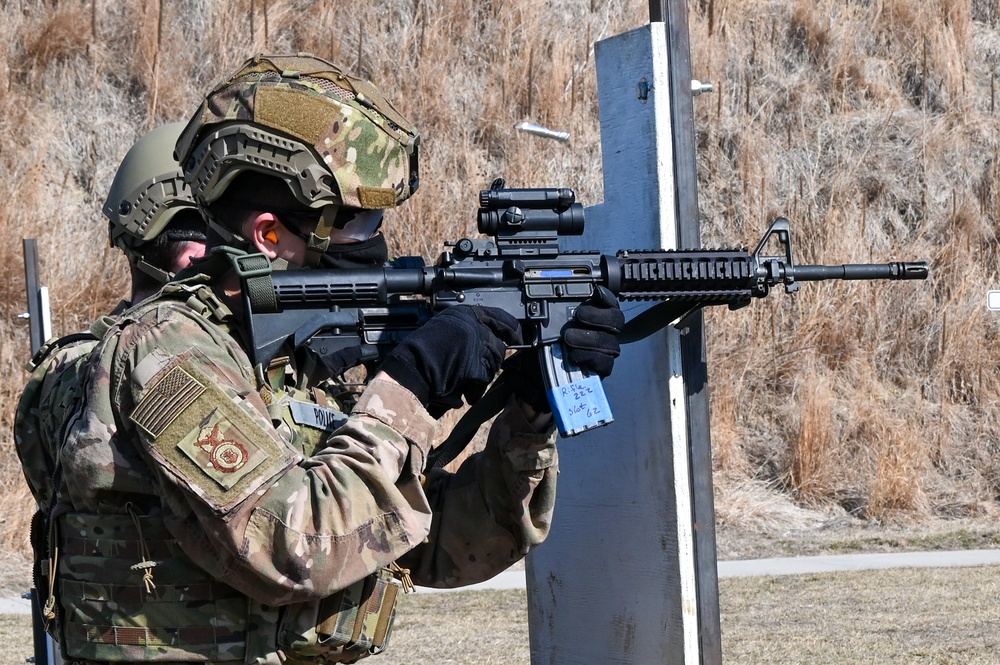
(456, 354)
(590, 337)
(590, 342)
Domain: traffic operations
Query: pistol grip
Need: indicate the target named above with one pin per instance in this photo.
(577, 398)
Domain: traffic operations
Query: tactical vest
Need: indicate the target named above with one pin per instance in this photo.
(128, 592)
(58, 369)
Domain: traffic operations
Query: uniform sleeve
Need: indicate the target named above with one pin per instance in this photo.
(493, 510)
(242, 502)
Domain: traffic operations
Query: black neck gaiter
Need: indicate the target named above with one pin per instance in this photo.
(369, 253)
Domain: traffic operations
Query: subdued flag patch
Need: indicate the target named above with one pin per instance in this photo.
(165, 400)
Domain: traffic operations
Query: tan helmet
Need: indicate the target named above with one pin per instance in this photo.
(147, 193)
(333, 138)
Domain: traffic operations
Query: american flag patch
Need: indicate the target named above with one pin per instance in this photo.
(165, 400)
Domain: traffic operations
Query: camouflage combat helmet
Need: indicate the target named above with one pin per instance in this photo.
(333, 138)
(147, 193)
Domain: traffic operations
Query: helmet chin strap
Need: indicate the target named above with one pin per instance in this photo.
(281, 264)
(319, 240)
(228, 237)
(161, 276)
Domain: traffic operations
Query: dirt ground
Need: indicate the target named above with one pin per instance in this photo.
(843, 535)
(940, 616)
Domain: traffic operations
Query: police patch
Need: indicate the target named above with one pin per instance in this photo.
(222, 450)
(223, 454)
(165, 400)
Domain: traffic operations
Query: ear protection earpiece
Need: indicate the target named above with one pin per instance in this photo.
(271, 236)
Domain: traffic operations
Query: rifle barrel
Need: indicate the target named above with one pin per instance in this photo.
(895, 270)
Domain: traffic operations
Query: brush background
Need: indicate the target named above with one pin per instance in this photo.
(871, 124)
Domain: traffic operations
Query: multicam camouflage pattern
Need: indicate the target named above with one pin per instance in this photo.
(351, 623)
(345, 125)
(180, 435)
(49, 396)
(58, 370)
(108, 612)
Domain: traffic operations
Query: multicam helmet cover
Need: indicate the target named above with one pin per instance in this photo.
(332, 137)
(147, 193)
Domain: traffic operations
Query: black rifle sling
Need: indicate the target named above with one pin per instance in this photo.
(489, 405)
(657, 317)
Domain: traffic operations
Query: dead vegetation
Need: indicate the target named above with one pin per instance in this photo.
(871, 124)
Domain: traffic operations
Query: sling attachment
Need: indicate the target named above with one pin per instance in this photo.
(254, 271)
(485, 408)
(145, 565)
(658, 317)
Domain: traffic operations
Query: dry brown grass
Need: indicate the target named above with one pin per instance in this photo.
(895, 616)
(872, 126)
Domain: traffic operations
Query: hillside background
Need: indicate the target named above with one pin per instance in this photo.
(871, 124)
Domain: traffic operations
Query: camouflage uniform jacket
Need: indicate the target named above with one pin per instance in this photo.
(179, 426)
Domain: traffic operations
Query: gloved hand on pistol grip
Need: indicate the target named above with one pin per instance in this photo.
(590, 337)
(454, 355)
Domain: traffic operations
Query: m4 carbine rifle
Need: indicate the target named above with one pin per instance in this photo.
(349, 317)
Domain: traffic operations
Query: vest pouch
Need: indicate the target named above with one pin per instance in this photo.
(345, 627)
(108, 612)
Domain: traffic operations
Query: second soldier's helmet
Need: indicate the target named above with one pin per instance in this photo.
(333, 138)
(147, 194)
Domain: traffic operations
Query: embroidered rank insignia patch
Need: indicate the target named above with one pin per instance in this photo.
(165, 400)
(222, 450)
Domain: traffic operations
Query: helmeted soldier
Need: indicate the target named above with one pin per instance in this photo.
(153, 219)
(211, 510)
(152, 216)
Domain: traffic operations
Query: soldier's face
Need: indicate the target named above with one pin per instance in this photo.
(189, 250)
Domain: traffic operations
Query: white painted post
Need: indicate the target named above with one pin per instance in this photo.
(616, 582)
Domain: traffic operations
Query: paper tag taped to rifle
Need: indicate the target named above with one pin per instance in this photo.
(580, 405)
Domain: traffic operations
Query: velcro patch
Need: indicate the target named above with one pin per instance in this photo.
(165, 400)
(216, 447)
(377, 197)
(222, 450)
(301, 114)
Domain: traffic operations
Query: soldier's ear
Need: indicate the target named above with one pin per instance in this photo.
(264, 232)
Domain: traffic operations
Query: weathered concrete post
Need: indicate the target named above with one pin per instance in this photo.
(623, 577)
